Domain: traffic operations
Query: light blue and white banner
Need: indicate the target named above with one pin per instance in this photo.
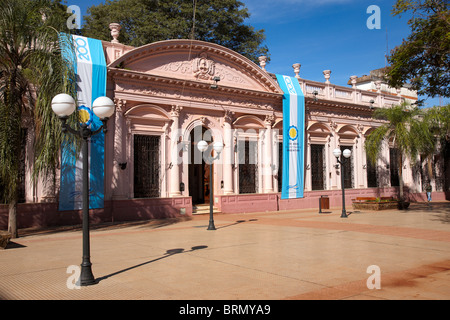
(293, 176)
(89, 62)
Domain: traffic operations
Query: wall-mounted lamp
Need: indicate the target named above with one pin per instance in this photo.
(315, 93)
(122, 165)
(307, 167)
(371, 103)
(170, 166)
(364, 166)
(216, 80)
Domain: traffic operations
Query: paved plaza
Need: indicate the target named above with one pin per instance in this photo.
(292, 255)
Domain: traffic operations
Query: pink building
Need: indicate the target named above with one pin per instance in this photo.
(171, 94)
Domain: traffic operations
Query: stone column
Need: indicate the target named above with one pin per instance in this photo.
(228, 153)
(120, 159)
(174, 165)
(364, 159)
(308, 173)
(267, 161)
(334, 143)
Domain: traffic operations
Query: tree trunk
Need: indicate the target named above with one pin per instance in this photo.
(12, 219)
(430, 167)
(400, 177)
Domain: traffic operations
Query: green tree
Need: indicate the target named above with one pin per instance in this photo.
(146, 21)
(436, 121)
(31, 73)
(423, 59)
(402, 126)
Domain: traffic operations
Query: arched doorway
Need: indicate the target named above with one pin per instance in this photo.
(199, 181)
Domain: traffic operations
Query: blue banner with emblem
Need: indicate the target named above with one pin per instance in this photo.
(88, 59)
(293, 176)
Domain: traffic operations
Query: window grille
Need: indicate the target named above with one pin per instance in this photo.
(393, 166)
(248, 168)
(348, 169)
(146, 166)
(372, 174)
(318, 167)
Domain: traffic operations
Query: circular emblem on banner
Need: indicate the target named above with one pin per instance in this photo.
(293, 132)
(85, 115)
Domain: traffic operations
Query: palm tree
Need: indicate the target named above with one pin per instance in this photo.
(31, 73)
(402, 126)
(437, 122)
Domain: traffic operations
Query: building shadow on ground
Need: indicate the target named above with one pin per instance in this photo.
(440, 211)
(151, 224)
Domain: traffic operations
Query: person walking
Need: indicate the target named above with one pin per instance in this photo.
(428, 190)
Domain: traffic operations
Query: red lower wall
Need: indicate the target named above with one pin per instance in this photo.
(46, 214)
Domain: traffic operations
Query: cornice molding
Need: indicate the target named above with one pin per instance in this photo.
(143, 79)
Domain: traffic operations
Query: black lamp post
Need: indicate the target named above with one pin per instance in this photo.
(347, 153)
(64, 105)
(218, 147)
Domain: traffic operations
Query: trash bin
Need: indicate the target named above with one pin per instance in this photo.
(324, 203)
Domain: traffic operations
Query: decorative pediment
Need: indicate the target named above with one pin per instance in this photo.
(198, 61)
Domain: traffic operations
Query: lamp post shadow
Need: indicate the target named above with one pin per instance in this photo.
(237, 222)
(168, 253)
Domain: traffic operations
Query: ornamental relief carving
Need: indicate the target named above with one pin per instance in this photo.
(204, 68)
(182, 67)
(342, 115)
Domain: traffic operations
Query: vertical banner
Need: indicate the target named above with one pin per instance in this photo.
(293, 177)
(89, 62)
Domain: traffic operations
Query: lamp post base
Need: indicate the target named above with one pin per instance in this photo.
(211, 225)
(86, 276)
(344, 214)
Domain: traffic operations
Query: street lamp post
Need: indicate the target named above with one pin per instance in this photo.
(218, 147)
(103, 107)
(347, 153)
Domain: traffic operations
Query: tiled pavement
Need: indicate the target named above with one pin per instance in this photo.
(264, 256)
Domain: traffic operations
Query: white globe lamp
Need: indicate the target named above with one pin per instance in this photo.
(103, 107)
(347, 153)
(202, 145)
(63, 105)
(218, 147)
(337, 153)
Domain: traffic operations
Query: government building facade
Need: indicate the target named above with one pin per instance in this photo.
(171, 94)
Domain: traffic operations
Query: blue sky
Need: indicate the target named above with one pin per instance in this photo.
(322, 34)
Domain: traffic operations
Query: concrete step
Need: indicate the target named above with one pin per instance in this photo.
(203, 209)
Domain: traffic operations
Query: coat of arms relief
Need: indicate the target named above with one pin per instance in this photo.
(202, 67)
